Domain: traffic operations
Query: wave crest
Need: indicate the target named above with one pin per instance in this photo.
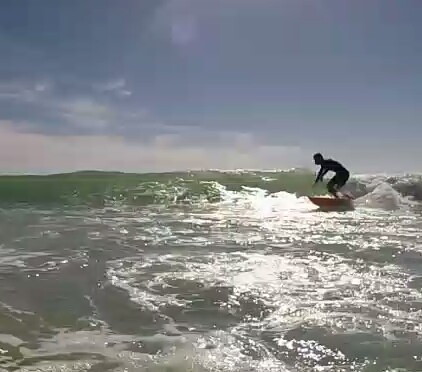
(98, 189)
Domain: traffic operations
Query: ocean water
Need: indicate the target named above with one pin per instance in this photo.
(208, 271)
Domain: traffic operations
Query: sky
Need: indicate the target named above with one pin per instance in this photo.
(157, 85)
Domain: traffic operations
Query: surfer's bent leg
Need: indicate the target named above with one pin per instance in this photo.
(342, 178)
(331, 186)
(338, 181)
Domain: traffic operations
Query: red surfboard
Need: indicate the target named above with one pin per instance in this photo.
(326, 202)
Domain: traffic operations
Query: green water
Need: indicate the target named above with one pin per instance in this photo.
(101, 187)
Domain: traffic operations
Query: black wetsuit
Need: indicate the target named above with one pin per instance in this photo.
(340, 178)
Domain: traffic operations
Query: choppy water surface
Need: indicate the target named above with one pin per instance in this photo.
(251, 282)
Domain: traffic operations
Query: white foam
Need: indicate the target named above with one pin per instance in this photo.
(384, 197)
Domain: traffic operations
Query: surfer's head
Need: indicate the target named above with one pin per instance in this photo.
(318, 159)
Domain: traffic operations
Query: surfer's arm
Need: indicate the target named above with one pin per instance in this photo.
(321, 174)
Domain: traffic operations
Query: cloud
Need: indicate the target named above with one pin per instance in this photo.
(29, 153)
(117, 86)
(42, 107)
(24, 91)
(85, 113)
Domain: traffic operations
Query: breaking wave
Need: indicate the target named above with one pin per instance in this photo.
(99, 189)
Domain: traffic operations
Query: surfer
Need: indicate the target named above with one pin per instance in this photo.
(341, 173)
